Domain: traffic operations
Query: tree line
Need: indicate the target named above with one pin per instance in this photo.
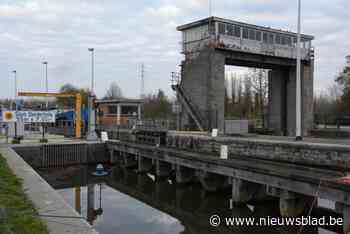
(246, 95)
(332, 105)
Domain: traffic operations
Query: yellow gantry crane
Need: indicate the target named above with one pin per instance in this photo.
(78, 101)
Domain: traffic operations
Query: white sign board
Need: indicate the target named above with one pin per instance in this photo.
(36, 116)
(214, 132)
(224, 152)
(8, 116)
(104, 136)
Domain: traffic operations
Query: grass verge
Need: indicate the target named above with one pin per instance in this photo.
(17, 214)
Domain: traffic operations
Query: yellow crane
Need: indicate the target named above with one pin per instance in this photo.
(78, 100)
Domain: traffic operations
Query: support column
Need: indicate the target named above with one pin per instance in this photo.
(212, 182)
(91, 203)
(346, 220)
(129, 160)
(185, 175)
(118, 113)
(163, 169)
(277, 101)
(139, 112)
(112, 158)
(292, 204)
(144, 164)
(245, 191)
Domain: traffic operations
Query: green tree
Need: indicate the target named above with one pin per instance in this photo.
(157, 106)
(343, 80)
(70, 102)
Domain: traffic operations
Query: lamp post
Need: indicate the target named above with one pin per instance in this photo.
(91, 135)
(298, 133)
(46, 84)
(15, 97)
(92, 69)
(15, 138)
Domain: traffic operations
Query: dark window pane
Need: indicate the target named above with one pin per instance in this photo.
(278, 39)
(251, 34)
(258, 35)
(112, 109)
(265, 37)
(295, 40)
(271, 37)
(230, 29)
(288, 41)
(221, 28)
(237, 31)
(245, 33)
(284, 41)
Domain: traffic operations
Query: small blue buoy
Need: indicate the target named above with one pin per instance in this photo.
(100, 171)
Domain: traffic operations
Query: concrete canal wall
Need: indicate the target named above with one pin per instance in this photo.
(58, 215)
(60, 155)
(306, 153)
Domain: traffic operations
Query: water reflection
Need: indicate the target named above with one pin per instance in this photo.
(127, 202)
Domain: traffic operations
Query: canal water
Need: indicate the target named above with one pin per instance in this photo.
(130, 203)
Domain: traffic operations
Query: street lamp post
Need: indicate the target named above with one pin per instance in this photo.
(46, 84)
(92, 70)
(15, 97)
(91, 125)
(298, 133)
(15, 139)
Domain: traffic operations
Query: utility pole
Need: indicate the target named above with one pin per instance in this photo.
(142, 92)
(298, 133)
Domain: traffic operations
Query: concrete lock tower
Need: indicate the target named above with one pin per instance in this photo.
(212, 43)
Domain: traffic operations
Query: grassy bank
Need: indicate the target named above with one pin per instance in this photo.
(17, 215)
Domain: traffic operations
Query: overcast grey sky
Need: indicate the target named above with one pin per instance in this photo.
(127, 33)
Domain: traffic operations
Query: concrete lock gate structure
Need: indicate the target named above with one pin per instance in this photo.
(212, 43)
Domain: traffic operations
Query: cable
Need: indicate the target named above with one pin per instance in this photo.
(312, 204)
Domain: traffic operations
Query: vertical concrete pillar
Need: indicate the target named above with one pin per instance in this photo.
(216, 91)
(163, 169)
(307, 79)
(112, 158)
(245, 191)
(203, 80)
(212, 182)
(277, 101)
(346, 219)
(144, 164)
(139, 112)
(118, 113)
(292, 204)
(90, 203)
(185, 174)
(129, 160)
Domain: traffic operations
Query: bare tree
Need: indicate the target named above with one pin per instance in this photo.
(259, 82)
(114, 91)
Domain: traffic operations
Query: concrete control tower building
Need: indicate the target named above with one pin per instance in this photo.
(212, 43)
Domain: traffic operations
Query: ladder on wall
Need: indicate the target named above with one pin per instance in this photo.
(190, 107)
